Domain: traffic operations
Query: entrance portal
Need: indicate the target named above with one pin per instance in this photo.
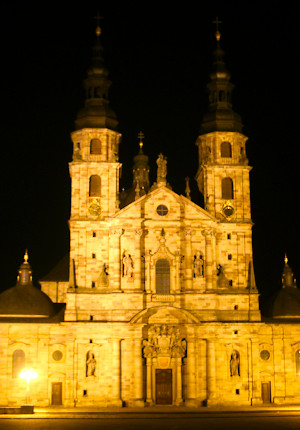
(266, 392)
(163, 384)
(56, 393)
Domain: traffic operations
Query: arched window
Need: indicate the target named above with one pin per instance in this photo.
(95, 146)
(95, 186)
(18, 362)
(162, 277)
(221, 96)
(227, 189)
(226, 150)
(297, 360)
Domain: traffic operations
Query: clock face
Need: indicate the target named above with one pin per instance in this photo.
(94, 209)
(228, 209)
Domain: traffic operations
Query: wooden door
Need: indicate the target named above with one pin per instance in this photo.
(163, 386)
(266, 392)
(56, 393)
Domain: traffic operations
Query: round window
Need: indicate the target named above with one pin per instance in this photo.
(57, 355)
(264, 354)
(162, 210)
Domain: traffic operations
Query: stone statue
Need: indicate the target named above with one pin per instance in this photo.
(187, 188)
(161, 168)
(222, 281)
(102, 280)
(91, 364)
(77, 153)
(127, 265)
(198, 265)
(235, 363)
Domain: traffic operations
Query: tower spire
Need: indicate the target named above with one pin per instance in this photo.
(97, 112)
(220, 115)
(218, 34)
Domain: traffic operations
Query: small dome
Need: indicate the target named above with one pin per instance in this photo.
(286, 303)
(25, 300)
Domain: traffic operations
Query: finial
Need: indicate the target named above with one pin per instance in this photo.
(162, 237)
(141, 137)
(218, 34)
(98, 28)
(26, 256)
(285, 258)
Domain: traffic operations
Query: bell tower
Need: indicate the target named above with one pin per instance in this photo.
(223, 179)
(223, 174)
(94, 172)
(94, 169)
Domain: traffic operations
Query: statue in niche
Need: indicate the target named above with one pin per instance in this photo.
(127, 265)
(198, 265)
(102, 280)
(161, 168)
(91, 364)
(235, 363)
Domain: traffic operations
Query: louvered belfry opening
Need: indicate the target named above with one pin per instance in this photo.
(162, 276)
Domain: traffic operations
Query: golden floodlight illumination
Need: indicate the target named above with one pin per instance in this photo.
(28, 374)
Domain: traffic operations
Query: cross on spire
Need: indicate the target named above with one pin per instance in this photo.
(97, 18)
(141, 137)
(217, 22)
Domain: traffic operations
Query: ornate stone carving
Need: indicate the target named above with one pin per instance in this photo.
(91, 364)
(209, 232)
(164, 340)
(118, 231)
(139, 232)
(189, 234)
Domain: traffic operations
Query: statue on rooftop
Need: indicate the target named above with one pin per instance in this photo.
(161, 168)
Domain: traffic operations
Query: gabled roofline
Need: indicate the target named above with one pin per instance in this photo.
(180, 198)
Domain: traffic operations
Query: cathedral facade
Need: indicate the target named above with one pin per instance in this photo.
(156, 304)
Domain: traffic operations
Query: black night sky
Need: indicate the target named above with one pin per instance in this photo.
(159, 56)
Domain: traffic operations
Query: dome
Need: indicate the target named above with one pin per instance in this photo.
(286, 302)
(24, 300)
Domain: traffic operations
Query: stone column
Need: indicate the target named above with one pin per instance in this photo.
(188, 263)
(177, 272)
(211, 371)
(148, 271)
(137, 261)
(191, 374)
(179, 400)
(149, 399)
(116, 373)
(115, 259)
(138, 374)
(208, 259)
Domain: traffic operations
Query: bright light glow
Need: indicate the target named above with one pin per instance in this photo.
(28, 374)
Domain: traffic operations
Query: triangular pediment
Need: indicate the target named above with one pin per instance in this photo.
(177, 207)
